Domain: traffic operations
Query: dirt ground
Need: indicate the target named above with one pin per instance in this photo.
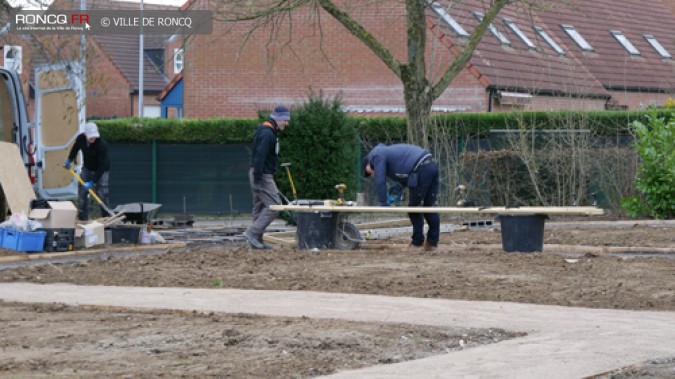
(584, 266)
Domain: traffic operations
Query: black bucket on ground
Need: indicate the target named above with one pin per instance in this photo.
(315, 230)
(522, 232)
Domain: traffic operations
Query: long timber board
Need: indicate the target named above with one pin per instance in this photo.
(588, 211)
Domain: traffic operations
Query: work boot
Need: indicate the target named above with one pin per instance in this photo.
(413, 246)
(254, 242)
(266, 246)
(429, 247)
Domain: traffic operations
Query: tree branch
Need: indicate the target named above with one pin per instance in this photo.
(362, 34)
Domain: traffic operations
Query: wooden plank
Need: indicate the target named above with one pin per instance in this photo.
(20, 256)
(14, 180)
(588, 211)
(277, 240)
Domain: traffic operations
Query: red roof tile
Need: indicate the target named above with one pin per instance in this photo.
(517, 67)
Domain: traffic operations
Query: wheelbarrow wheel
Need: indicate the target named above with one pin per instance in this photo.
(347, 237)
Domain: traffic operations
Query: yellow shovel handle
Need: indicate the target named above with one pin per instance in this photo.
(92, 193)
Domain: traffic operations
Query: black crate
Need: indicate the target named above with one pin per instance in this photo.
(59, 240)
(122, 234)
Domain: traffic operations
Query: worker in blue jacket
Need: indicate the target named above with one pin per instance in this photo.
(264, 163)
(414, 168)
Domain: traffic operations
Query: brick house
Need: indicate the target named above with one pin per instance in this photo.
(571, 56)
(112, 67)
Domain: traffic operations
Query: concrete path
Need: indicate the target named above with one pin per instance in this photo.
(562, 342)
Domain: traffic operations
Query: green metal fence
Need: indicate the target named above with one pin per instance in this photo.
(195, 178)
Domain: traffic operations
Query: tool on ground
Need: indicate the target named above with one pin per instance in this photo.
(93, 194)
(290, 179)
(463, 201)
(341, 191)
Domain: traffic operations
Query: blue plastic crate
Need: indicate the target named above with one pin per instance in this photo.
(23, 241)
(2, 233)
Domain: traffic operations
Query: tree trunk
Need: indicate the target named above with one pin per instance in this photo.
(418, 100)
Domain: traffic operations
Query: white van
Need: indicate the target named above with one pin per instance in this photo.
(58, 118)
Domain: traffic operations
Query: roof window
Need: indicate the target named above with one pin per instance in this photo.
(454, 25)
(502, 38)
(515, 29)
(572, 32)
(657, 46)
(625, 42)
(549, 40)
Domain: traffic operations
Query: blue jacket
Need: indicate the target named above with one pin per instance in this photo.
(395, 162)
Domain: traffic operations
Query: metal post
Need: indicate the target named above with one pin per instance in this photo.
(83, 63)
(154, 171)
(140, 67)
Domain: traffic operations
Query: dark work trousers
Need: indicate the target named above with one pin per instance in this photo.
(101, 189)
(264, 195)
(425, 195)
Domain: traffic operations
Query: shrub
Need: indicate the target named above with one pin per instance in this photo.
(321, 143)
(655, 180)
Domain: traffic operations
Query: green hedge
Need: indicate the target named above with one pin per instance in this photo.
(134, 130)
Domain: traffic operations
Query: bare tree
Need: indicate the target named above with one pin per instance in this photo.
(418, 89)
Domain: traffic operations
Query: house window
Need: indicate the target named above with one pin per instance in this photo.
(178, 60)
(657, 46)
(454, 25)
(502, 38)
(572, 32)
(13, 58)
(152, 111)
(625, 42)
(549, 40)
(515, 29)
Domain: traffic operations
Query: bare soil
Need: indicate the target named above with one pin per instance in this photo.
(585, 267)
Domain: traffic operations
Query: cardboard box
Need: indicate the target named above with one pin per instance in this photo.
(88, 235)
(61, 215)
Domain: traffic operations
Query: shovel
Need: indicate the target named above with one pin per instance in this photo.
(93, 194)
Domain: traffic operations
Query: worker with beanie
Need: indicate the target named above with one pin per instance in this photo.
(95, 168)
(264, 163)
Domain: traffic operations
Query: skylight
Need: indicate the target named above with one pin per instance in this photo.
(577, 37)
(502, 38)
(549, 40)
(454, 25)
(514, 28)
(657, 46)
(625, 42)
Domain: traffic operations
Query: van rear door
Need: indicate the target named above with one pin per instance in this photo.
(14, 127)
(59, 118)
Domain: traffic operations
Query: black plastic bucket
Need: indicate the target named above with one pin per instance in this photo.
(315, 230)
(522, 232)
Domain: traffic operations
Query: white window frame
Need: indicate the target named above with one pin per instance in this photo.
(13, 63)
(515, 29)
(542, 33)
(178, 64)
(623, 40)
(576, 36)
(657, 46)
(500, 37)
(454, 25)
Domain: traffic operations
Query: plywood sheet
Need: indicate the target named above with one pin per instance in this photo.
(53, 79)
(14, 179)
(54, 174)
(59, 118)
